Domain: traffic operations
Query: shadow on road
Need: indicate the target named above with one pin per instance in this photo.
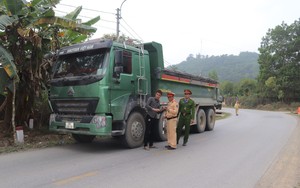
(99, 145)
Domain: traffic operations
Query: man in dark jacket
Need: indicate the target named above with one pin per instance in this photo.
(153, 108)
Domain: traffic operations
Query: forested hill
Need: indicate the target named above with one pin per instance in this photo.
(228, 67)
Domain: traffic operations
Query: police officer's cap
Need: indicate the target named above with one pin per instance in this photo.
(187, 91)
(170, 93)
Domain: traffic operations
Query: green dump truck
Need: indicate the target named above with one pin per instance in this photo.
(100, 87)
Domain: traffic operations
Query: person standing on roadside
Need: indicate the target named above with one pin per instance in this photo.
(237, 107)
(171, 116)
(187, 114)
(153, 108)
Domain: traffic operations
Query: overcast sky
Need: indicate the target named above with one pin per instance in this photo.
(208, 27)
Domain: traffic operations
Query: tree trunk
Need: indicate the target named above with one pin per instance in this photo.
(25, 96)
(14, 111)
(8, 112)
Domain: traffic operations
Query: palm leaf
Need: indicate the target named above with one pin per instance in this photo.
(66, 24)
(5, 21)
(14, 6)
(36, 3)
(6, 60)
(73, 15)
(92, 21)
(79, 39)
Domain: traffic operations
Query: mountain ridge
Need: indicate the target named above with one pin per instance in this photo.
(231, 68)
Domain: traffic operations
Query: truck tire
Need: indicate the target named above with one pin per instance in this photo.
(135, 130)
(200, 125)
(83, 138)
(160, 133)
(210, 119)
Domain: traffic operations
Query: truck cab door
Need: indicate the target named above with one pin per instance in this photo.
(123, 83)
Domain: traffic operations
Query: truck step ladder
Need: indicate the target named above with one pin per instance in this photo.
(141, 79)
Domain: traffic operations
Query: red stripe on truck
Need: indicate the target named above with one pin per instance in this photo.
(175, 78)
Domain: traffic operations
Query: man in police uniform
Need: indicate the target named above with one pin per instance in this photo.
(187, 114)
(171, 116)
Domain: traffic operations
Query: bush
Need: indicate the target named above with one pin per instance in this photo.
(251, 101)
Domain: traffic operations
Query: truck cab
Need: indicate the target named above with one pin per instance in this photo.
(95, 88)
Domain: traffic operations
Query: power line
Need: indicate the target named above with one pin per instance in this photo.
(167, 63)
(132, 29)
(128, 31)
(87, 9)
(95, 25)
(104, 20)
(86, 17)
(100, 26)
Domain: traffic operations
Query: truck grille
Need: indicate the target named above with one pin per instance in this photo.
(74, 106)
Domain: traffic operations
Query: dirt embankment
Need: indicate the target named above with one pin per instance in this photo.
(33, 139)
(285, 171)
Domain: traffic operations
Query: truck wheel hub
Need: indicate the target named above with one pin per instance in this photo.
(137, 130)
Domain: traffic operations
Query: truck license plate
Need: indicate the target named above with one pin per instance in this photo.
(70, 125)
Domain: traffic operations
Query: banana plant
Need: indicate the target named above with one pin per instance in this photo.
(28, 31)
(8, 71)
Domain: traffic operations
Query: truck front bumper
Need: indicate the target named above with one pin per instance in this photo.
(97, 125)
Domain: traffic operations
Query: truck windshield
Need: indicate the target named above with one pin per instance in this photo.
(81, 64)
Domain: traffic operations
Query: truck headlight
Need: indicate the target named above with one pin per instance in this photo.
(100, 121)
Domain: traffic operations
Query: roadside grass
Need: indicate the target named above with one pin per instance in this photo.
(222, 115)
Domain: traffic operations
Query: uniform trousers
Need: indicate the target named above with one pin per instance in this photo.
(236, 111)
(171, 132)
(184, 121)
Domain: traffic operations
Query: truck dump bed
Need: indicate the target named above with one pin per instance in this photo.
(205, 90)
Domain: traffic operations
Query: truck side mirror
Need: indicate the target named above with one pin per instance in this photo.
(118, 70)
(118, 64)
(118, 58)
(221, 99)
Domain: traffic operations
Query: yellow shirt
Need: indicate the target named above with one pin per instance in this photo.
(172, 109)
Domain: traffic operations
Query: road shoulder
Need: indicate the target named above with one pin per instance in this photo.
(285, 171)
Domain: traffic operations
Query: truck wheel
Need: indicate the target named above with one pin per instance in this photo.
(200, 122)
(210, 119)
(83, 138)
(161, 130)
(135, 129)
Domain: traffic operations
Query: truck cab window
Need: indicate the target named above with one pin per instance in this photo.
(80, 64)
(127, 58)
(123, 63)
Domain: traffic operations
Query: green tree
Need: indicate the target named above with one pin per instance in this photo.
(227, 88)
(246, 87)
(213, 75)
(279, 75)
(29, 30)
(228, 67)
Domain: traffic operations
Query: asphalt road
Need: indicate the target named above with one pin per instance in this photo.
(236, 154)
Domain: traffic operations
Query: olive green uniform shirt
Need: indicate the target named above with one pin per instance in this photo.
(187, 107)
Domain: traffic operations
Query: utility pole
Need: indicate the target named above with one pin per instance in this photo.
(118, 19)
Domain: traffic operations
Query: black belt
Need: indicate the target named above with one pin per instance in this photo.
(171, 118)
